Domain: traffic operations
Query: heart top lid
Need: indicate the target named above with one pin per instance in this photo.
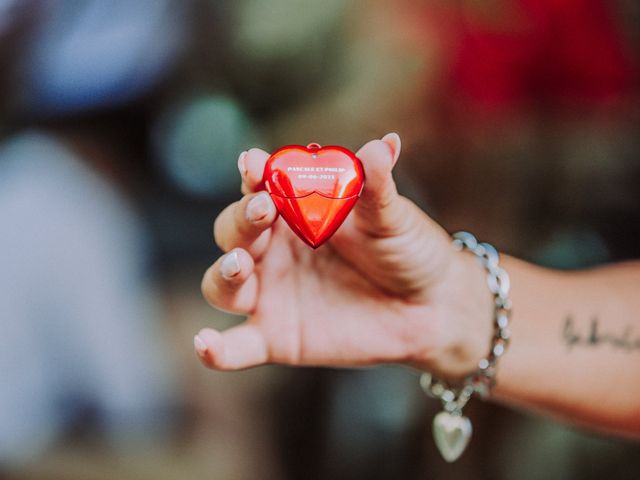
(295, 171)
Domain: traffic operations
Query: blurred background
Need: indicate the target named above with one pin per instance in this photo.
(120, 127)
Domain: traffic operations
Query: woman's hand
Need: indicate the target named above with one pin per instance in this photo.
(387, 287)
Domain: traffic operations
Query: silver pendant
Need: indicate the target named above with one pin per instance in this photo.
(452, 434)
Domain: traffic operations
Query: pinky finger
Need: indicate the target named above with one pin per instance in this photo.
(237, 348)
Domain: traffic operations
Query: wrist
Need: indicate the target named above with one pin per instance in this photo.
(475, 310)
(467, 318)
(459, 328)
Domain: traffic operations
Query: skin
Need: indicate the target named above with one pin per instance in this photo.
(389, 288)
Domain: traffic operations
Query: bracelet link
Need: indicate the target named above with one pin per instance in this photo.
(451, 430)
(483, 380)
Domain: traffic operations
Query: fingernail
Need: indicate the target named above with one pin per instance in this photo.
(230, 266)
(241, 163)
(391, 136)
(393, 140)
(200, 346)
(258, 207)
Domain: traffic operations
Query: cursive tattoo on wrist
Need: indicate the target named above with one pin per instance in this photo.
(626, 340)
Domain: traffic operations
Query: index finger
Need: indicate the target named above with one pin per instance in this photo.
(251, 165)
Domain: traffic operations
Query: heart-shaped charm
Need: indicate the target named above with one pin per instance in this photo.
(452, 434)
(314, 188)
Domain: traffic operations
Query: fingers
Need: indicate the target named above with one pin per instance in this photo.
(379, 210)
(230, 283)
(246, 223)
(239, 347)
(251, 165)
(242, 230)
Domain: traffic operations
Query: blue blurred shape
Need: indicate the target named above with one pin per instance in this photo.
(79, 320)
(198, 141)
(87, 54)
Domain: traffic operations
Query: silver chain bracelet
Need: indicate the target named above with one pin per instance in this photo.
(451, 430)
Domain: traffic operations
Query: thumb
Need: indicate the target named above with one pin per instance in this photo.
(378, 210)
(405, 264)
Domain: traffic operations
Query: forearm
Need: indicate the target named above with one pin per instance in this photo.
(575, 349)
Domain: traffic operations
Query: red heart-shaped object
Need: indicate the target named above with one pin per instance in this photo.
(314, 188)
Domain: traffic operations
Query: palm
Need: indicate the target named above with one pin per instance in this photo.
(319, 307)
